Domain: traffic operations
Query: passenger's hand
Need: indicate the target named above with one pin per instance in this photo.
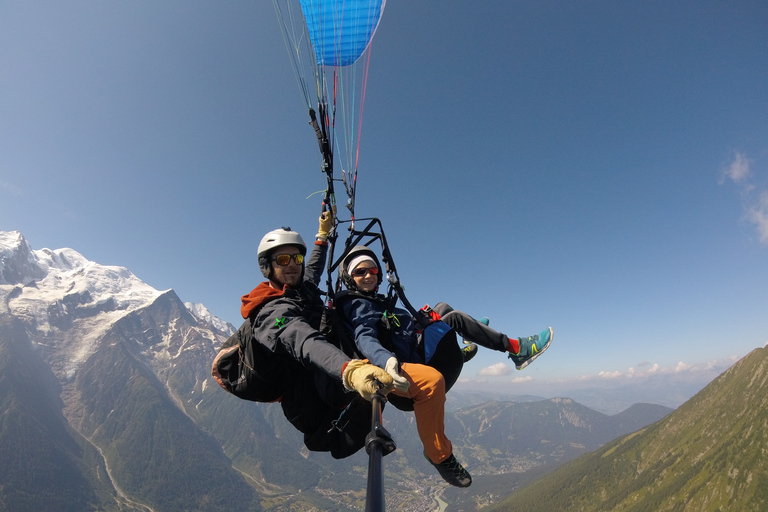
(361, 376)
(393, 369)
(326, 224)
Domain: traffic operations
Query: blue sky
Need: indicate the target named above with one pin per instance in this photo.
(600, 167)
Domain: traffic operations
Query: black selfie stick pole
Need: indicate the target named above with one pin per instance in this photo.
(378, 443)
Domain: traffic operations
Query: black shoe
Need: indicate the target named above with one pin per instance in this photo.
(469, 352)
(453, 472)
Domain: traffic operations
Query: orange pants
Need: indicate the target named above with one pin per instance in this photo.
(428, 393)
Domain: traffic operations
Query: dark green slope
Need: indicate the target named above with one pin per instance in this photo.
(155, 452)
(45, 465)
(252, 442)
(709, 455)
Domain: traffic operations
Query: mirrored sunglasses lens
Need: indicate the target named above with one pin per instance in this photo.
(284, 259)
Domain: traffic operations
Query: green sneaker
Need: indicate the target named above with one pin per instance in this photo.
(532, 347)
(453, 472)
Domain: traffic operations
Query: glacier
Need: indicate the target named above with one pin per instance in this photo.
(69, 302)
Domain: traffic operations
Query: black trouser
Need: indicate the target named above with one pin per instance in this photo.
(471, 329)
(315, 402)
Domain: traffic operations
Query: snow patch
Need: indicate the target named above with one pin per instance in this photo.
(66, 301)
(201, 313)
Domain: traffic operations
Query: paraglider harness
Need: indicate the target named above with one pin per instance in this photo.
(371, 233)
(379, 442)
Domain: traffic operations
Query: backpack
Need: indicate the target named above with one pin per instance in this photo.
(247, 369)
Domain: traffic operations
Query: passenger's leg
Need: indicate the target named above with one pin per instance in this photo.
(472, 329)
(428, 393)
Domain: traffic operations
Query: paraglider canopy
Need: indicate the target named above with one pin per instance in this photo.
(329, 43)
(341, 30)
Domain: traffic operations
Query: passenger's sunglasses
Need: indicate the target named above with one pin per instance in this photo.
(284, 259)
(360, 272)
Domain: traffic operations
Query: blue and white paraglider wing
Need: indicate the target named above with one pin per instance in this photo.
(341, 30)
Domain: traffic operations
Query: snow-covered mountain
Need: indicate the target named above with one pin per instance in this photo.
(69, 302)
(200, 312)
(108, 403)
(102, 383)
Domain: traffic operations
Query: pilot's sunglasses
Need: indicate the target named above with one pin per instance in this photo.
(284, 259)
(362, 271)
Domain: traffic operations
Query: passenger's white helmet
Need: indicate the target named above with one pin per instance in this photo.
(354, 253)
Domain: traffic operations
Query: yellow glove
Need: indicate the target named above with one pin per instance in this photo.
(361, 376)
(326, 224)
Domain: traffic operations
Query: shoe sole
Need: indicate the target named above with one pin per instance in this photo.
(537, 354)
(456, 484)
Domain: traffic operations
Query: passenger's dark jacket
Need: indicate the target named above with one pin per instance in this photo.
(381, 331)
(379, 334)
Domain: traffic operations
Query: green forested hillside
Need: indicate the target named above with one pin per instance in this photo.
(709, 455)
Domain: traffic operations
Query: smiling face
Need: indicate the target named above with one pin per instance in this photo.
(365, 275)
(286, 275)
